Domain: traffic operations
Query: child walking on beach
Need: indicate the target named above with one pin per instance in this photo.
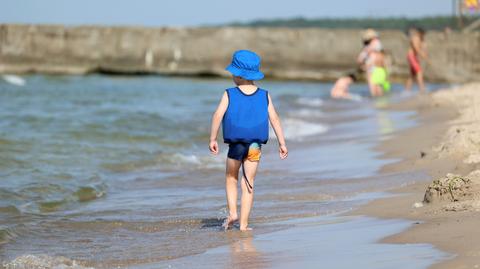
(244, 112)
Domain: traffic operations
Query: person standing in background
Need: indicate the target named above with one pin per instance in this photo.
(371, 47)
(416, 52)
(371, 65)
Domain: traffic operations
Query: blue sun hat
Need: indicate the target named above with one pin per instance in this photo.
(245, 64)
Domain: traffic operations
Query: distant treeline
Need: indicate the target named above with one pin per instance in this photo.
(428, 23)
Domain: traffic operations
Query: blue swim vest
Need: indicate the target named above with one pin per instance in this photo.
(246, 118)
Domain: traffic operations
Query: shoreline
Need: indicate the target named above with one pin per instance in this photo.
(305, 238)
(422, 148)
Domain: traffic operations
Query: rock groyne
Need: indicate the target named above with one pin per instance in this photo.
(321, 54)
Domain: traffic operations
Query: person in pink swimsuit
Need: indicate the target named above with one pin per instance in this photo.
(415, 53)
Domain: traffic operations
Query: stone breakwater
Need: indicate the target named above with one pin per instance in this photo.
(320, 54)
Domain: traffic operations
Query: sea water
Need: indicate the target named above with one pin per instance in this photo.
(115, 170)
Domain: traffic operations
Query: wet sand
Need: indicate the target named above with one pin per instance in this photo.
(444, 142)
(326, 241)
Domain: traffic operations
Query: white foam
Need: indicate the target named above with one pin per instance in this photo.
(306, 113)
(295, 129)
(355, 97)
(215, 161)
(206, 161)
(310, 101)
(188, 159)
(14, 80)
(43, 261)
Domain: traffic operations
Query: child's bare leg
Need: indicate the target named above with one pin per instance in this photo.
(378, 90)
(408, 84)
(231, 182)
(374, 90)
(421, 84)
(247, 197)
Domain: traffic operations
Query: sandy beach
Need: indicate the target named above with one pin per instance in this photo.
(446, 141)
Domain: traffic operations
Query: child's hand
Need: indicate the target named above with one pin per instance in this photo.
(282, 151)
(213, 146)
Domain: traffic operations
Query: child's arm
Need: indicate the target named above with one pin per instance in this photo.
(216, 120)
(362, 56)
(277, 128)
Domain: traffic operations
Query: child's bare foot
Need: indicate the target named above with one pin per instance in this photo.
(229, 221)
(244, 229)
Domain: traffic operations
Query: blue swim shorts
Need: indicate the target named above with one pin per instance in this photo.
(242, 151)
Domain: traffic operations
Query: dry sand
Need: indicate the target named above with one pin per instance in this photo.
(446, 145)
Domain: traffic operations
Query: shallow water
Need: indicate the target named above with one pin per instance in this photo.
(318, 242)
(115, 171)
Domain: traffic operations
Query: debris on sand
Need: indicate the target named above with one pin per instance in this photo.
(450, 188)
(457, 193)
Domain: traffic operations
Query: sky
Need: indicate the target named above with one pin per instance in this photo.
(205, 12)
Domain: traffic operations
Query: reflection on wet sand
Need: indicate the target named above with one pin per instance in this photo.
(385, 123)
(243, 253)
